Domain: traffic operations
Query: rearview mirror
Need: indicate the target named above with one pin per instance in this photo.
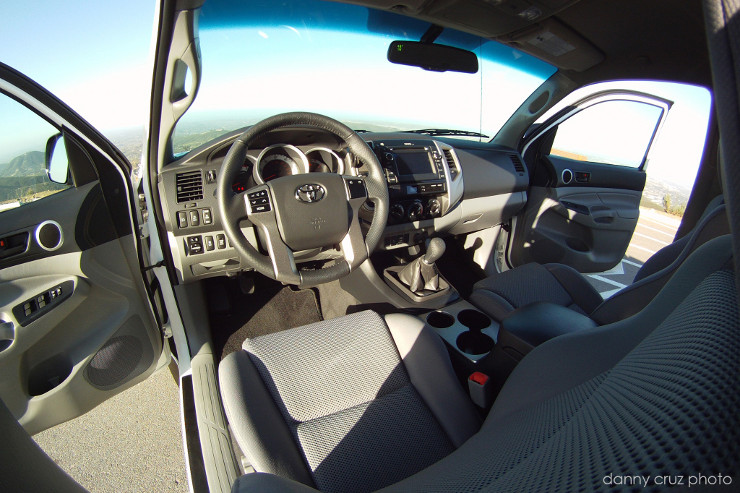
(434, 57)
(57, 164)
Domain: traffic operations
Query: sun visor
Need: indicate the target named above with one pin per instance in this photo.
(557, 44)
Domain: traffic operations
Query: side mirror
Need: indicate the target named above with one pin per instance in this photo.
(57, 163)
(434, 57)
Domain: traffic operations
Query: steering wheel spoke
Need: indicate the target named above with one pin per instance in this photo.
(283, 261)
(261, 212)
(237, 207)
(353, 245)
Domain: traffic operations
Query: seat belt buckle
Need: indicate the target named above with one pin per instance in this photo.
(479, 389)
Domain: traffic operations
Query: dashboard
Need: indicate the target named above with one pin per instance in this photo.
(436, 187)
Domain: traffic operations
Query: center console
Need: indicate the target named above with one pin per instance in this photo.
(424, 182)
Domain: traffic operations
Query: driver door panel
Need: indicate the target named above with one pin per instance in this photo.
(86, 336)
(76, 322)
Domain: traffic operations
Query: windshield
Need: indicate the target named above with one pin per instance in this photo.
(331, 58)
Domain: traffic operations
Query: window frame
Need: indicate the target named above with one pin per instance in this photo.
(71, 182)
(597, 98)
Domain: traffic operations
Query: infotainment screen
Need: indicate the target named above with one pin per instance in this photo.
(414, 162)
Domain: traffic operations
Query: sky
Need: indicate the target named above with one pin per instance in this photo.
(96, 57)
(90, 53)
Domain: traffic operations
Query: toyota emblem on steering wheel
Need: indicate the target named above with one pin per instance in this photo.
(310, 193)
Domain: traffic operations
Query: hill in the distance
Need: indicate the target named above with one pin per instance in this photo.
(655, 190)
(24, 179)
(28, 164)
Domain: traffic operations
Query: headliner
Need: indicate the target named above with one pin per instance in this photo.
(648, 39)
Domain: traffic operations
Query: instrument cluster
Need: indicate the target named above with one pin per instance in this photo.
(280, 160)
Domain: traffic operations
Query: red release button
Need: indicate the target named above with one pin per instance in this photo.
(479, 378)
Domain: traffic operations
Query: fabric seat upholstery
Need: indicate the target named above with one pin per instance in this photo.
(349, 404)
(654, 394)
(500, 294)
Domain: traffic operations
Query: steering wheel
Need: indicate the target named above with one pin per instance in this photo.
(306, 211)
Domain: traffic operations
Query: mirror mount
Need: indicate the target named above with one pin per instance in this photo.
(431, 34)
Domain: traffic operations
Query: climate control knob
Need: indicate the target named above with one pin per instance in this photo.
(434, 208)
(415, 211)
(397, 212)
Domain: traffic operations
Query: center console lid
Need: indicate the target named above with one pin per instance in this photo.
(540, 322)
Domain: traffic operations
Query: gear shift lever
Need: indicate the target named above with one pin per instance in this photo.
(435, 250)
(422, 273)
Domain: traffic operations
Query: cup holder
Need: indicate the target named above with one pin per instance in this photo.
(440, 320)
(473, 319)
(464, 329)
(474, 342)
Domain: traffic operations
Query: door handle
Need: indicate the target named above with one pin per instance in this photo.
(7, 334)
(603, 215)
(575, 207)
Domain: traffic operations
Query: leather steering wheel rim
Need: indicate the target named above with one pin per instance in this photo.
(232, 209)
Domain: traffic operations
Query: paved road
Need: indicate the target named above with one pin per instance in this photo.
(654, 231)
(130, 443)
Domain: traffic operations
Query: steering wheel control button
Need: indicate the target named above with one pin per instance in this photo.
(195, 245)
(261, 208)
(259, 201)
(207, 217)
(194, 218)
(220, 242)
(309, 193)
(182, 219)
(356, 188)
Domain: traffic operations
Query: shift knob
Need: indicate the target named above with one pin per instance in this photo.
(435, 250)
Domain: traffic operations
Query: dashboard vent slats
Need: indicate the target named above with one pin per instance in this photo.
(517, 162)
(189, 186)
(450, 163)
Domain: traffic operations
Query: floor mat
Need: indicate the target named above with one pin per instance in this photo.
(272, 308)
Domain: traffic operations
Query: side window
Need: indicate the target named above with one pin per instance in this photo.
(615, 132)
(23, 138)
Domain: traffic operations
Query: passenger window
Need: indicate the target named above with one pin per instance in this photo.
(615, 132)
(23, 138)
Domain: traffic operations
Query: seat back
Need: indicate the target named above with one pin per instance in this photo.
(654, 274)
(668, 254)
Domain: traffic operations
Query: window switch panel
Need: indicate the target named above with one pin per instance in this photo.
(34, 308)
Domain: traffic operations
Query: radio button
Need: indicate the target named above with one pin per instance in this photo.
(434, 208)
(397, 212)
(415, 211)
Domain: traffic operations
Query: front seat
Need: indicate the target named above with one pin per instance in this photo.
(503, 293)
(350, 404)
(654, 395)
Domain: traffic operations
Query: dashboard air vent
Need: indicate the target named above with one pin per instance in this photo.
(450, 163)
(189, 186)
(517, 162)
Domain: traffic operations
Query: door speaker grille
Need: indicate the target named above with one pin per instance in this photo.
(115, 361)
